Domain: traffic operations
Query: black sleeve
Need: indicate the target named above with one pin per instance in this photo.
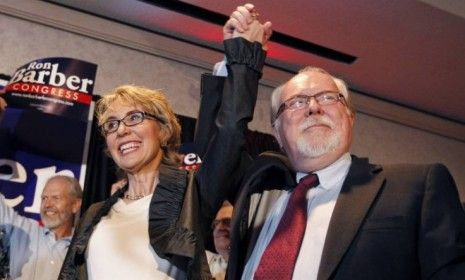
(222, 127)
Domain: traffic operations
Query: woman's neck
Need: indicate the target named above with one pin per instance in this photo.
(142, 183)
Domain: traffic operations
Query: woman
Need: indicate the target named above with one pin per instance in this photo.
(142, 136)
(154, 227)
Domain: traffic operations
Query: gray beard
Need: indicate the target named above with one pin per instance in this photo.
(318, 145)
(52, 223)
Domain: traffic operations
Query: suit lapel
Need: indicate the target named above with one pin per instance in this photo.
(357, 194)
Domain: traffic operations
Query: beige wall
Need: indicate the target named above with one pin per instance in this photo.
(381, 140)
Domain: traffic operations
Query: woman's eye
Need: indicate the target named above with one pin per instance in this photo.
(135, 117)
(112, 124)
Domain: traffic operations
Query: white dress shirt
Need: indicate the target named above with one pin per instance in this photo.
(217, 265)
(321, 202)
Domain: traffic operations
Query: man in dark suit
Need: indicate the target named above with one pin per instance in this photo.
(354, 219)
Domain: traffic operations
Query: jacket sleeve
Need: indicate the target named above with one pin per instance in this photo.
(211, 93)
(232, 105)
(441, 244)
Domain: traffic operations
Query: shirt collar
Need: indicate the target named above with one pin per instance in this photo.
(50, 233)
(332, 174)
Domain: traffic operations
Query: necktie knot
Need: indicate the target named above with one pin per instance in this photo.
(306, 183)
(309, 181)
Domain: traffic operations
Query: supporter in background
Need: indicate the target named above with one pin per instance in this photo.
(37, 252)
(221, 239)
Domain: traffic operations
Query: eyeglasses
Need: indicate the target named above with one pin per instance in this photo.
(131, 119)
(224, 221)
(301, 101)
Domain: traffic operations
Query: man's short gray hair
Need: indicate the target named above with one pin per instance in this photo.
(75, 190)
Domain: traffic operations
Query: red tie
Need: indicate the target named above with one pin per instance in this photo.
(280, 255)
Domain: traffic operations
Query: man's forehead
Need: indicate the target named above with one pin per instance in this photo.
(225, 211)
(56, 185)
(309, 82)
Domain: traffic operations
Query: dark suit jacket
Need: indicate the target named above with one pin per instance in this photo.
(389, 222)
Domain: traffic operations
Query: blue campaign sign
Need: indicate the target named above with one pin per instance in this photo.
(44, 127)
(54, 85)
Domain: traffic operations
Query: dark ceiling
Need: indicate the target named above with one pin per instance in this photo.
(407, 52)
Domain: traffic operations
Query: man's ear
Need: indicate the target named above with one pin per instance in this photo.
(77, 205)
(351, 118)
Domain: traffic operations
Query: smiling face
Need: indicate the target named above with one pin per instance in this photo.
(58, 206)
(161, 122)
(315, 136)
(134, 148)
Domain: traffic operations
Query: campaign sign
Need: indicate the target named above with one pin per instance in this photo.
(191, 161)
(55, 85)
(43, 130)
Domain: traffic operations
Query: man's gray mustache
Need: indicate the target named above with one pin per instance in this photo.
(309, 122)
